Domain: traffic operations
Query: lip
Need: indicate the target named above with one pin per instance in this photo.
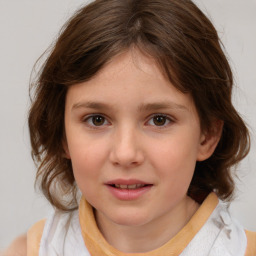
(126, 182)
(128, 194)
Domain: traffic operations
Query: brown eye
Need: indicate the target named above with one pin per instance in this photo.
(97, 120)
(159, 120)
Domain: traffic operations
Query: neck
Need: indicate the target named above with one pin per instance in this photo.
(149, 236)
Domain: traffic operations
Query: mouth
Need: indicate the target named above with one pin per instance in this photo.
(128, 184)
(131, 186)
(128, 189)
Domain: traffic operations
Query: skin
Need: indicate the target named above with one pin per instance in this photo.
(130, 122)
(146, 130)
(17, 248)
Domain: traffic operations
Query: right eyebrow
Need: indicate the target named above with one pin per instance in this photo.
(91, 105)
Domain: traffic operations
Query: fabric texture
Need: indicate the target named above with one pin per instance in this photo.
(251, 244)
(210, 232)
(62, 236)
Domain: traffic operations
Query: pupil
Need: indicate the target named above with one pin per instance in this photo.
(98, 120)
(159, 120)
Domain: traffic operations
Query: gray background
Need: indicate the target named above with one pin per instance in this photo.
(27, 27)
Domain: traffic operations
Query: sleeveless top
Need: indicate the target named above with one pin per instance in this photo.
(210, 232)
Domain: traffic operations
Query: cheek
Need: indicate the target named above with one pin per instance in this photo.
(87, 159)
(174, 160)
(86, 169)
(175, 152)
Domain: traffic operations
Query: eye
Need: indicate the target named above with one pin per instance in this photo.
(159, 120)
(96, 120)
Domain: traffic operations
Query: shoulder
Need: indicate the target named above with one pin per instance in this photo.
(17, 247)
(34, 236)
(36, 229)
(251, 243)
(26, 244)
(61, 235)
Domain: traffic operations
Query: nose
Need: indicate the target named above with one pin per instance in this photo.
(126, 150)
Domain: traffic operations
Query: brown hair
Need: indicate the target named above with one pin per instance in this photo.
(184, 43)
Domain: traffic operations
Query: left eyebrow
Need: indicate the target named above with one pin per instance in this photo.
(161, 105)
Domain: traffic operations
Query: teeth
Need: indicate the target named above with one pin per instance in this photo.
(133, 186)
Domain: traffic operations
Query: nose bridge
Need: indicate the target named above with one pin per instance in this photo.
(126, 148)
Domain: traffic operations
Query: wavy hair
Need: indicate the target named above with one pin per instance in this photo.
(187, 48)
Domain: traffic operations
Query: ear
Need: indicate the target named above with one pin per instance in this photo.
(65, 149)
(209, 140)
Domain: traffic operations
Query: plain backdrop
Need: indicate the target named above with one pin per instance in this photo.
(27, 27)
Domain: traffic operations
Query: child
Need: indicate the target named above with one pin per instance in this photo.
(133, 110)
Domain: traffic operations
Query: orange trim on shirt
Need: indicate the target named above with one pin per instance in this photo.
(34, 236)
(251, 243)
(97, 245)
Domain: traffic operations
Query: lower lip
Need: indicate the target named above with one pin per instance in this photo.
(129, 194)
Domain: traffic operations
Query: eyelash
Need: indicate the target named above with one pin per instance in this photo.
(89, 120)
(167, 120)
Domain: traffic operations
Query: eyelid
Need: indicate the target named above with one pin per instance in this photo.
(171, 119)
(87, 117)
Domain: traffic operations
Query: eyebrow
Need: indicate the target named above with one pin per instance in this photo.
(161, 105)
(92, 105)
(143, 107)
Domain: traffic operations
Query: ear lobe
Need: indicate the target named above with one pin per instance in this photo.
(66, 150)
(210, 140)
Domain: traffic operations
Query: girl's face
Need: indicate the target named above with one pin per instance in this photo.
(133, 140)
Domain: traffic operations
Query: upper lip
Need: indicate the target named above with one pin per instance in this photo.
(126, 182)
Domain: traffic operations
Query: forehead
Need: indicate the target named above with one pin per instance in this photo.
(134, 61)
(130, 78)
